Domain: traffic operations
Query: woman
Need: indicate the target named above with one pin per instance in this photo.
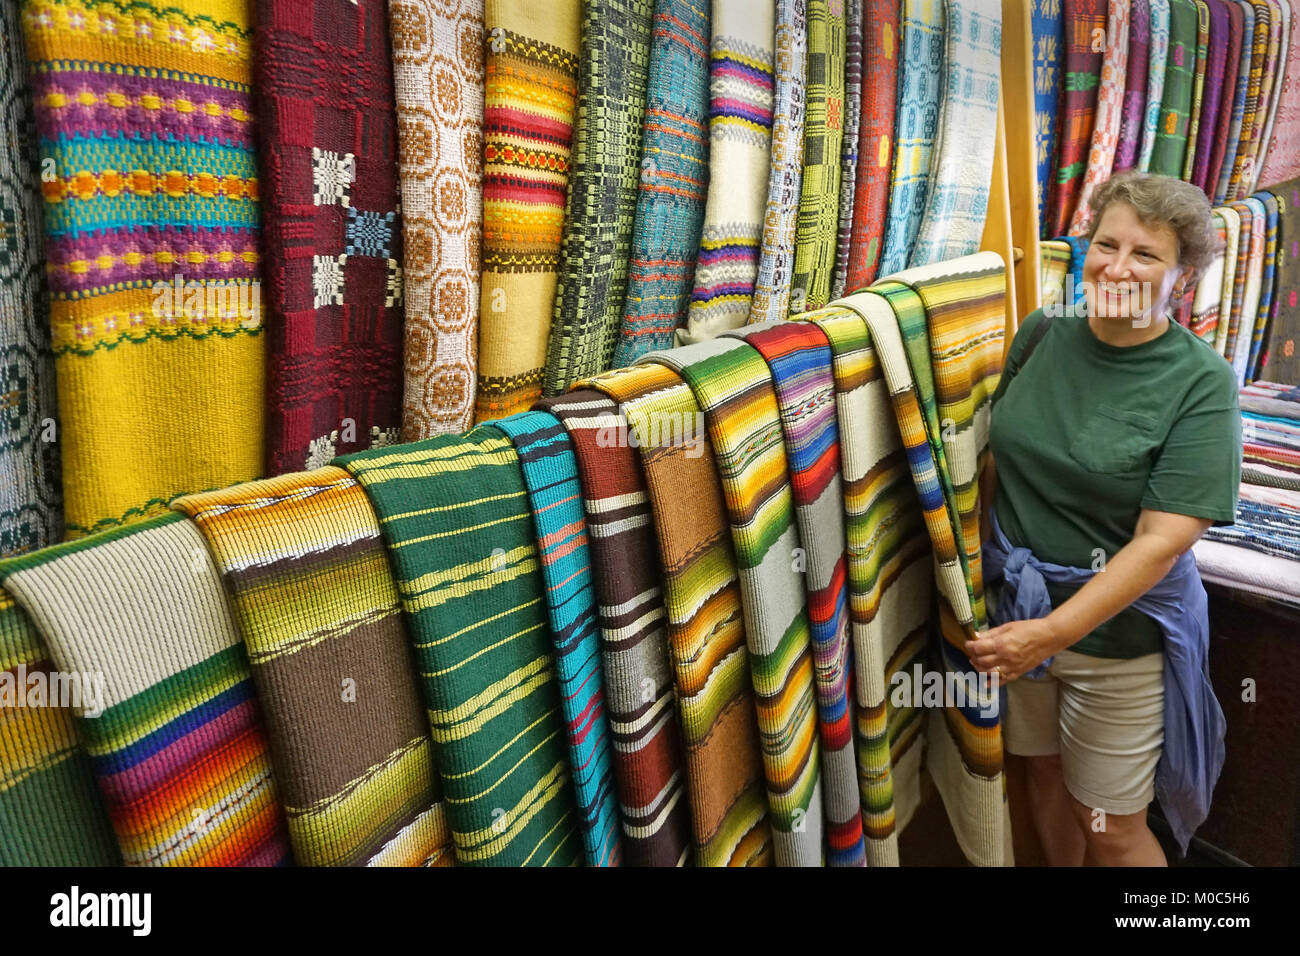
(1116, 446)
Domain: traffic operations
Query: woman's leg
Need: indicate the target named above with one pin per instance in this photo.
(1051, 807)
(1118, 840)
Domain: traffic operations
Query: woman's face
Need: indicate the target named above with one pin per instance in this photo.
(1131, 267)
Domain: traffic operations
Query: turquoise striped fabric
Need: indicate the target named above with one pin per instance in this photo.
(555, 497)
(454, 512)
(917, 123)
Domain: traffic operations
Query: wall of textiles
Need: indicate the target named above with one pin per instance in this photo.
(507, 433)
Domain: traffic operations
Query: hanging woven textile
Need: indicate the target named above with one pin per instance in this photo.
(551, 474)
(917, 121)
(1282, 156)
(438, 85)
(1170, 146)
(823, 139)
(674, 181)
(1237, 351)
(31, 494)
(876, 136)
(630, 604)
(1215, 86)
(849, 158)
(1268, 283)
(1085, 31)
(455, 518)
(1198, 87)
(799, 359)
(1110, 108)
(1263, 106)
(333, 231)
(741, 88)
(1279, 359)
(1232, 239)
(613, 74)
(961, 164)
(1133, 115)
(771, 299)
(1280, 72)
(304, 566)
(1049, 50)
(172, 723)
(51, 811)
(1228, 109)
(1254, 48)
(734, 388)
(529, 97)
(706, 631)
(151, 247)
(1053, 273)
(889, 579)
(1157, 64)
(1236, 294)
(1209, 290)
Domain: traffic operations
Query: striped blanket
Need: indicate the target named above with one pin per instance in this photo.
(630, 604)
(823, 140)
(1248, 152)
(799, 360)
(706, 632)
(529, 98)
(600, 211)
(51, 811)
(308, 580)
(674, 180)
(1247, 76)
(170, 719)
(551, 475)
(732, 384)
(455, 518)
(785, 172)
(1266, 528)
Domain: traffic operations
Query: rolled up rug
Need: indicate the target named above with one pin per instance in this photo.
(152, 228)
(168, 711)
(674, 181)
(601, 207)
(1133, 116)
(304, 566)
(333, 231)
(530, 95)
(438, 74)
(706, 630)
(1157, 64)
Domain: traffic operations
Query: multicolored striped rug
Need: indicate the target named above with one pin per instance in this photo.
(917, 121)
(1110, 110)
(876, 152)
(853, 38)
(137, 350)
(706, 631)
(31, 486)
(630, 604)
(1084, 21)
(51, 811)
(455, 518)
(613, 75)
(771, 300)
(741, 89)
(733, 386)
(1216, 80)
(551, 474)
(308, 580)
(167, 709)
(529, 97)
(957, 202)
(1133, 116)
(335, 316)
(1157, 65)
(438, 62)
(799, 360)
(674, 180)
(1170, 147)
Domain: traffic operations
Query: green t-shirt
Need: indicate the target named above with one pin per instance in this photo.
(1088, 434)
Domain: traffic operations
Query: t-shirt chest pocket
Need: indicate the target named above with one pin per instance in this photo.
(1116, 441)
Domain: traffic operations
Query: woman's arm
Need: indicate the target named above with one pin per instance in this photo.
(1020, 646)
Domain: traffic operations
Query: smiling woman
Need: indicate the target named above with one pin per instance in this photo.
(1115, 449)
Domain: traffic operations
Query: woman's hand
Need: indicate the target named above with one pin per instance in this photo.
(1013, 648)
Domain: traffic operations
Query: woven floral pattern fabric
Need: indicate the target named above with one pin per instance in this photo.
(1048, 28)
(152, 227)
(529, 97)
(771, 299)
(1085, 21)
(1170, 147)
(333, 230)
(1110, 109)
(438, 84)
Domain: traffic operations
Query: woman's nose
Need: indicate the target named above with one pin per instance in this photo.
(1116, 267)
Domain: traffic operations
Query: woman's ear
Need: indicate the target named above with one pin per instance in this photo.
(1187, 278)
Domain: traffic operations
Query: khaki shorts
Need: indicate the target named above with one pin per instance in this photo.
(1104, 716)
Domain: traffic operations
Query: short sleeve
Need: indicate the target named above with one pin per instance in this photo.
(1198, 469)
(1016, 352)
